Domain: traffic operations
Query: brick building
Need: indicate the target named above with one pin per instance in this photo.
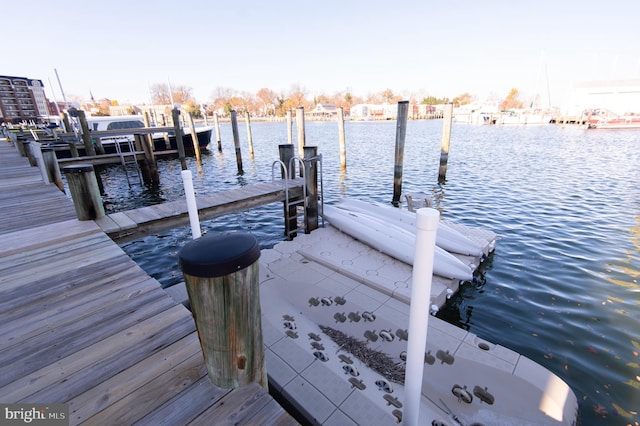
(21, 99)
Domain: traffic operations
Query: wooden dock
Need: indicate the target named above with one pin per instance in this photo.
(137, 223)
(82, 324)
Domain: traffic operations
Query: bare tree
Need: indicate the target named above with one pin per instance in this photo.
(266, 101)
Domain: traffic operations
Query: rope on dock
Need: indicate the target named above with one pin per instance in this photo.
(379, 362)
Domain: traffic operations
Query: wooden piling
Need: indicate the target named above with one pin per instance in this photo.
(290, 126)
(216, 125)
(51, 167)
(236, 141)
(28, 152)
(249, 136)
(149, 136)
(148, 165)
(65, 122)
(311, 183)
(287, 152)
(84, 190)
(300, 129)
(221, 272)
(86, 134)
(401, 131)
(175, 115)
(194, 137)
(446, 139)
(18, 143)
(343, 148)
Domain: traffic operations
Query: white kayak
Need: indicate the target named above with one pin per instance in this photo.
(446, 237)
(393, 240)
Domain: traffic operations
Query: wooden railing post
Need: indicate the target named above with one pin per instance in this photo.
(401, 131)
(175, 115)
(287, 152)
(221, 272)
(311, 183)
(85, 192)
(446, 140)
(236, 141)
(51, 167)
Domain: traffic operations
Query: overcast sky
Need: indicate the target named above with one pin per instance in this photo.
(116, 49)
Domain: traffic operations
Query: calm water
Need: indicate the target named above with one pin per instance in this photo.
(562, 287)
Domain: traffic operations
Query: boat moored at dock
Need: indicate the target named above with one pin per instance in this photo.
(121, 125)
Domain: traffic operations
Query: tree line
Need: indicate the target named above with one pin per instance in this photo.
(266, 102)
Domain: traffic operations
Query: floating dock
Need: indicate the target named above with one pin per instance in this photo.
(325, 292)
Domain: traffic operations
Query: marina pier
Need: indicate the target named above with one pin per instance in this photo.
(315, 290)
(82, 324)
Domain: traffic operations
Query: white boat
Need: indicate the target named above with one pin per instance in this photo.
(132, 122)
(394, 241)
(447, 238)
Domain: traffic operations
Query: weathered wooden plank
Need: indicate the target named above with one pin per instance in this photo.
(105, 394)
(41, 236)
(39, 270)
(59, 342)
(75, 285)
(161, 389)
(187, 405)
(74, 308)
(237, 407)
(273, 414)
(84, 369)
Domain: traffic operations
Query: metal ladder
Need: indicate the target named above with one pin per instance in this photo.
(295, 207)
(132, 152)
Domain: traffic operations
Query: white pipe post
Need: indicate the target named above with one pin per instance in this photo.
(192, 208)
(426, 227)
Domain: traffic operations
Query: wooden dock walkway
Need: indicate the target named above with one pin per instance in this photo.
(82, 324)
(137, 223)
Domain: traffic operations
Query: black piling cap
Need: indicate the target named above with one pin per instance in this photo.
(218, 253)
(77, 168)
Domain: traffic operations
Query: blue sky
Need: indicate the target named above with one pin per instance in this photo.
(442, 48)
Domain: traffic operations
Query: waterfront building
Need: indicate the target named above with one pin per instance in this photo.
(22, 99)
(618, 96)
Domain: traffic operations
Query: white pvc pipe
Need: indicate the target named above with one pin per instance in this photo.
(426, 227)
(192, 208)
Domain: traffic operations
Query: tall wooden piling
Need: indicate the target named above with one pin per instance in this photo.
(289, 126)
(175, 115)
(51, 167)
(300, 129)
(401, 131)
(216, 126)
(446, 139)
(27, 148)
(194, 137)
(86, 134)
(236, 141)
(249, 136)
(343, 148)
(84, 190)
(65, 122)
(149, 167)
(311, 183)
(221, 272)
(287, 152)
